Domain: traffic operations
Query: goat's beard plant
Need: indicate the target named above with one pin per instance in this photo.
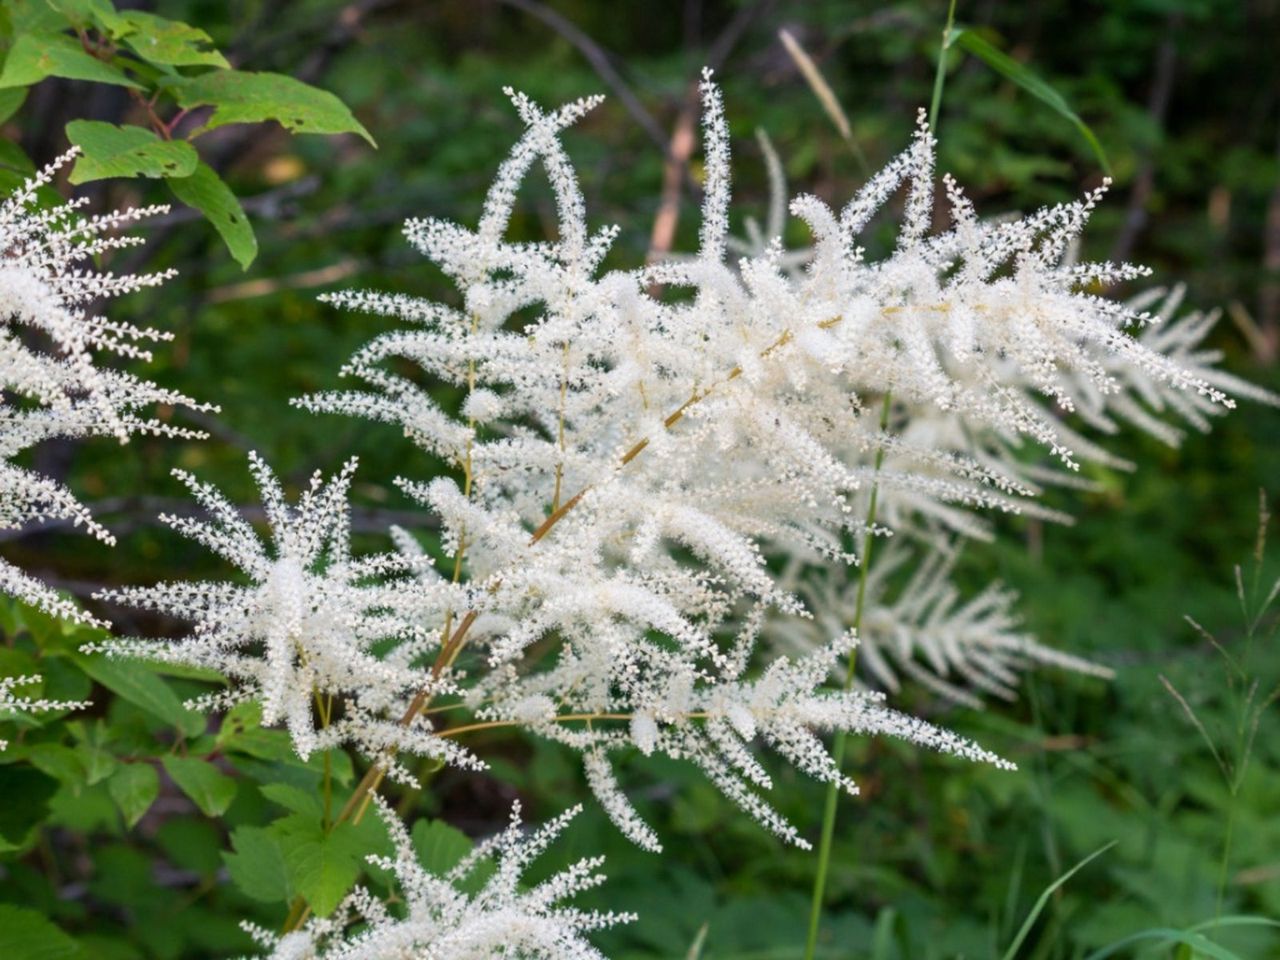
(657, 503)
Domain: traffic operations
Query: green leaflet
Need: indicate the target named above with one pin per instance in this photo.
(210, 789)
(134, 787)
(439, 845)
(257, 865)
(136, 682)
(128, 151)
(169, 42)
(11, 99)
(322, 866)
(241, 96)
(205, 191)
(35, 56)
(17, 820)
(26, 934)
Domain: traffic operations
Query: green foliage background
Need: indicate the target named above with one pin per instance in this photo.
(138, 832)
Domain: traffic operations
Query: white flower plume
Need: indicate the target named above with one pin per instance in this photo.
(925, 629)
(50, 346)
(627, 464)
(11, 702)
(327, 642)
(438, 918)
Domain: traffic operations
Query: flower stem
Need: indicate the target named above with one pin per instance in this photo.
(838, 746)
(940, 76)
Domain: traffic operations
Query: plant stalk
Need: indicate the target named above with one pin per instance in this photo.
(838, 746)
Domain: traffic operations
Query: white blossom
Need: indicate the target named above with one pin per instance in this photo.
(440, 920)
(627, 463)
(51, 346)
(304, 636)
(11, 702)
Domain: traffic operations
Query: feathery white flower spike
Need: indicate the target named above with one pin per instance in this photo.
(49, 350)
(503, 918)
(300, 636)
(928, 631)
(11, 702)
(627, 465)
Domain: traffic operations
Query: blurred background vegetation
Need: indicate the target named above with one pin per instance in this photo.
(936, 859)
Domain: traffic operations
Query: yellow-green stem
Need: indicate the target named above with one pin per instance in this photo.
(838, 746)
(940, 76)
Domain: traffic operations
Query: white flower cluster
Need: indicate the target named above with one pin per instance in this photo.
(11, 702)
(439, 919)
(328, 643)
(923, 629)
(633, 468)
(962, 647)
(50, 385)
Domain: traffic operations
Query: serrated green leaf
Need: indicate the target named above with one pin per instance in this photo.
(111, 151)
(205, 191)
(294, 799)
(169, 42)
(322, 866)
(35, 56)
(240, 96)
(210, 788)
(257, 865)
(1028, 80)
(135, 681)
(439, 846)
(26, 934)
(134, 787)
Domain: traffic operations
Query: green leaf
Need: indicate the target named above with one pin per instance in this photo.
(134, 788)
(128, 151)
(35, 56)
(169, 42)
(1198, 944)
(34, 16)
(294, 799)
(19, 663)
(1029, 81)
(211, 789)
(205, 191)
(240, 96)
(98, 761)
(26, 934)
(17, 819)
(1043, 900)
(322, 866)
(257, 865)
(57, 760)
(440, 846)
(135, 681)
(89, 13)
(11, 99)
